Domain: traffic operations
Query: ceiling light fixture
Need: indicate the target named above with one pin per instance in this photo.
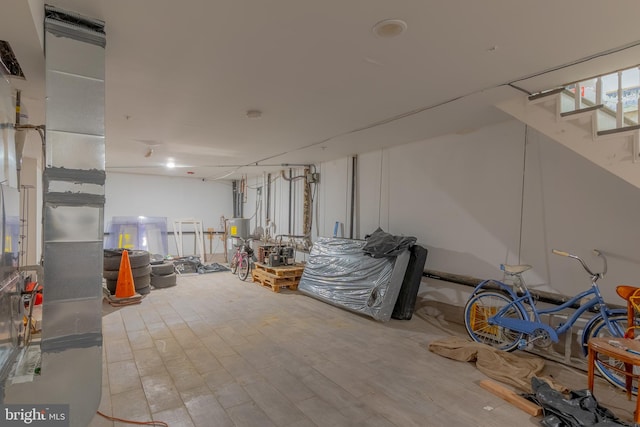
(171, 163)
(389, 28)
(254, 114)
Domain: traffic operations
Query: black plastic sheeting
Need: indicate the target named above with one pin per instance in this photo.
(406, 302)
(381, 244)
(579, 409)
(192, 264)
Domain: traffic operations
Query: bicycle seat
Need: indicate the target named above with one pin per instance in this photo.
(514, 269)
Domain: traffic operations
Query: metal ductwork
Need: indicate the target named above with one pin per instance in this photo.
(73, 188)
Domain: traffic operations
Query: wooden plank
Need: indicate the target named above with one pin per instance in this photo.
(511, 397)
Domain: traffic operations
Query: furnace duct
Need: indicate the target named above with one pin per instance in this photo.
(73, 191)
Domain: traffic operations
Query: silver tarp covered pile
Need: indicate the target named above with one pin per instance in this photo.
(341, 273)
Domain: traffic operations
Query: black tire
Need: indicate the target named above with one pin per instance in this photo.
(244, 268)
(600, 329)
(162, 269)
(144, 291)
(137, 272)
(233, 265)
(142, 281)
(138, 258)
(156, 259)
(477, 312)
(110, 275)
(112, 258)
(165, 281)
(111, 286)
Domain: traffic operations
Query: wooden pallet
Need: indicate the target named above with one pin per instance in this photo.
(282, 271)
(275, 278)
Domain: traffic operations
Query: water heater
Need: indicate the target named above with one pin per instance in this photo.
(239, 227)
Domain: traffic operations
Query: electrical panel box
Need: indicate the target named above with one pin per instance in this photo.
(313, 178)
(239, 227)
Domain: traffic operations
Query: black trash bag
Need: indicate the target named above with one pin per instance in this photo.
(580, 409)
(380, 244)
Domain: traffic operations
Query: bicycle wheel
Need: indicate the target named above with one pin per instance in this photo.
(244, 268)
(234, 264)
(477, 312)
(600, 329)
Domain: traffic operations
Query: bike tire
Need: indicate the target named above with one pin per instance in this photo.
(244, 268)
(233, 266)
(600, 329)
(483, 305)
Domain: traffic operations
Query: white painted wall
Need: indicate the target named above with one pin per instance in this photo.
(472, 202)
(459, 195)
(174, 198)
(333, 197)
(574, 205)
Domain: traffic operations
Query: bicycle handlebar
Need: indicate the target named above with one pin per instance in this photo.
(561, 253)
(585, 266)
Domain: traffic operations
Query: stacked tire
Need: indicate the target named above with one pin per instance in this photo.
(140, 267)
(163, 275)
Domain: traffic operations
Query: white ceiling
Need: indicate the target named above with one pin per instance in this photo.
(181, 75)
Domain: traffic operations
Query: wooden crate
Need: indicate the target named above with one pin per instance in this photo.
(275, 278)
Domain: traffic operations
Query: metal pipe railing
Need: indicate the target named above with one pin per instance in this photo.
(582, 93)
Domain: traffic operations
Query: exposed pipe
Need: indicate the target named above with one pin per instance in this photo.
(290, 196)
(541, 296)
(307, 208)
(234, 196)
(18, 106)
(354, 163)
(268, 216)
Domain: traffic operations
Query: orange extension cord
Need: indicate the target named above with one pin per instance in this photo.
(142, 423)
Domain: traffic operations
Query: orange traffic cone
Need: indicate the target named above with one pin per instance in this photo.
(125, 287)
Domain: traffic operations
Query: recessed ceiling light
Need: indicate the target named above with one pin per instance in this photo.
(254, 114)
(389, 28)
(171, 163)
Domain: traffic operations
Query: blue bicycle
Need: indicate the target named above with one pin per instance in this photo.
(507, 317)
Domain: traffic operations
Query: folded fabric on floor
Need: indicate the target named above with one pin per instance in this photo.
(508, 368)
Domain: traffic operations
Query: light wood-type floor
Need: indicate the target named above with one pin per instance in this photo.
(215, 351)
